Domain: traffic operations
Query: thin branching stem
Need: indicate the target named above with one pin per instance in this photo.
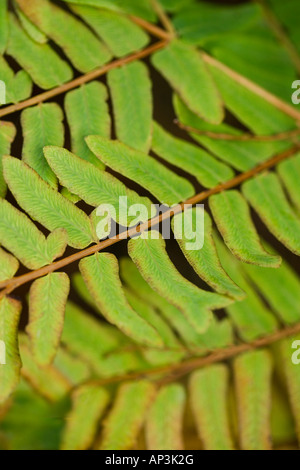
(178, 370)
(47, 95)
(12, 284)
(254, 88)
(163, 17)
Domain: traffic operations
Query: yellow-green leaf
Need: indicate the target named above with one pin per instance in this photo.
(209, 392)
(47, 301)
(232, 216)
(10, 363)
(122, 425)
(184, 68)
(266, 196)
(87, 113)
(165, 419)
(165, 185)
(80, 45)
(150, 256)
(41, 125)
(45, 204)
(253, 375)
(101, 274)
(130, 87)
(88, 405)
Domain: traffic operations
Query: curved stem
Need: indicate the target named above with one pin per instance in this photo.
(179, 370)
(47, 95)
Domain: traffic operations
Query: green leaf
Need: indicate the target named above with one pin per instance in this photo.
(94, 186)
(18, 86)
(15, 227)
(288, 172)
(3, 26)
(87, 113)
(73, 368)
(218, 334)
(122, 425)
(48, 381)
(10, 311)
(204, 21)
(173, 351)
(174, 6)
(260, 116)
(88, 405)
(194, 160)
(165, 419)
(31, 29)
(47, 301)
(100, 273)
(209, 390)
(205, 260)
(154, 264)
(287, 13)
(266, 196)
(120, 34)
(274, 285)
(140, 8)
(42, 125)
(250, 316)
(41, 62)
(253, 373)
(88, 338)
(243, 156)
(196, 88)
(79, 44)
(9, 265)
(134, 280)
(165, 185)
(7, 135)
(232, 216)
(46, 205)
(130, 88)
(259, 59)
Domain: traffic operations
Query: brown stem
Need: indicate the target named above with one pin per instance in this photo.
(152, 29)
(47, 95)
(253, 87)
(185, 367)
(241, 138)
(10, 285)
(164, 19)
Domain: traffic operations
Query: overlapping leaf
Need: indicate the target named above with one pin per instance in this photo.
(149, 254)
(100, 273)
(79, 44)
(165, 185)
(93, 185)
(46, 205)
(197, 88)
